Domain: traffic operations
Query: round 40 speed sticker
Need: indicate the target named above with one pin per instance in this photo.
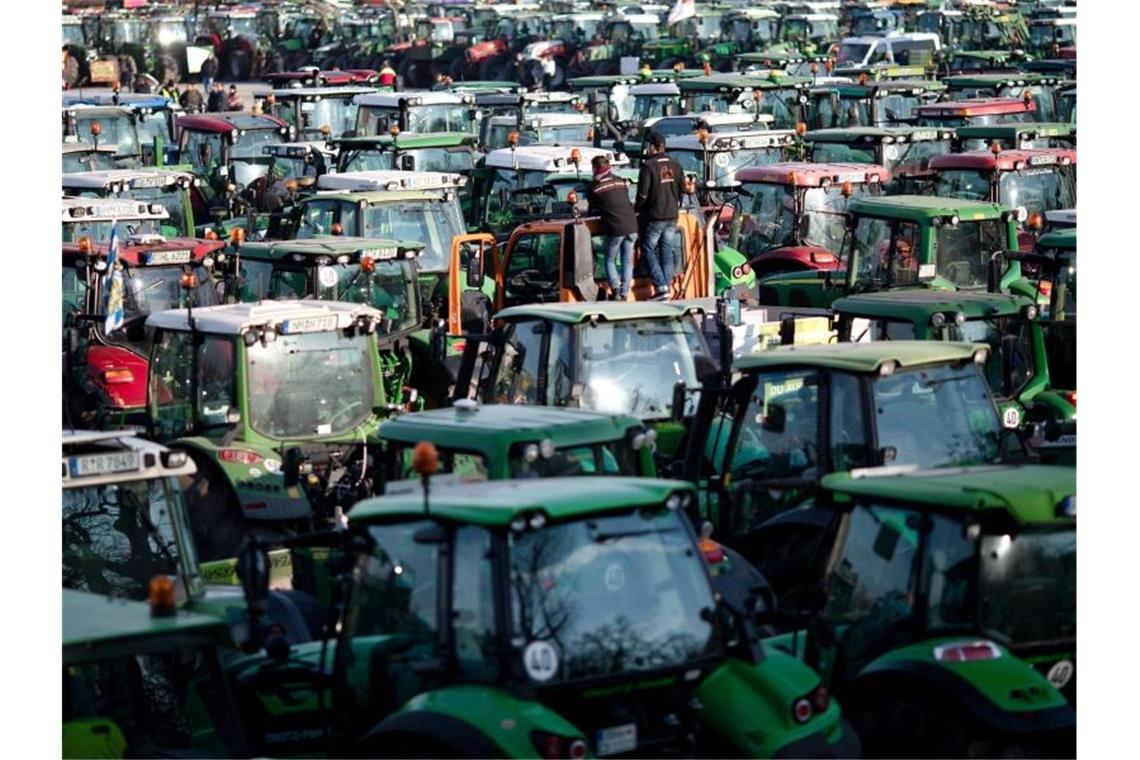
(540, 659)
(327, 276)
(1061, 673)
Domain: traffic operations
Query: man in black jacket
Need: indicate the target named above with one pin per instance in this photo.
(609, 199)
(659, 189)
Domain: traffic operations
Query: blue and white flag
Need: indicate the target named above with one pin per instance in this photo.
(113, 285)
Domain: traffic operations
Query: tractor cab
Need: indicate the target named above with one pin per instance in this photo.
(154, 116)
(1019, 136)
(655, 99)
(608, 97)
(105, 358)
(303, 163)
(794, 215)
(105, 127)
(1017, 366)
(226, 149)
(449, 152)
(686, 40)
(542, 596)
(905, 152)
(510, 441)
(417, 111)
(903, 241)
(808, 33)
(984, 62)
(784, 98)
(875, 22)
(94, 217)
(903, 48)
(750, 28)
(949, 585)
(1040, 88)
(1037, 180)
(868, 103)
(277, 403)
(514, 177)
(315, 113)
(124, 519)
(174, 190)
(1047, 35)
(546, 129)
(716, 158)
(85, 157)
(976, 112)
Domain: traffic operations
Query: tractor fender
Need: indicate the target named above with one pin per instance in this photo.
(727, 259)
(1004, 693)
(470, 720)
(253, 474)
(749, 705)
(794, 257)
(802, 288)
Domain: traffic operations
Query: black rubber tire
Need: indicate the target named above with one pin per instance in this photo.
(496, 69)
(458, 70)
(215, 514)
(908, 724)
(167, 68)
(238, 65)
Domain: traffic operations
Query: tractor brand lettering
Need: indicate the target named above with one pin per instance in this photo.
(255, 485)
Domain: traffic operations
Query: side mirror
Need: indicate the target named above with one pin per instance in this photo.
(775, 419)
(886, 541)
(679, 400)
(439, 342)
(407, 162)
(475, 268)
(292, 466)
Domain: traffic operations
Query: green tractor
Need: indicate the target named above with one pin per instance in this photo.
(1018, 364)
(941, 606)
(784, 97)
(905, 152)
(691, 41)
(1018, 136)
(502, 441)
(566, 617)
(886, 103)
(145, 680)
(905, 241)
(372, 271)
(277, 403)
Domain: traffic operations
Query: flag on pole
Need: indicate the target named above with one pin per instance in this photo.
(682, 10)
(113, 285)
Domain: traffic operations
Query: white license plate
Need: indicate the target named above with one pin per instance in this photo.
(617, 739)
(168, 257)
(309, 324)
(103, 464)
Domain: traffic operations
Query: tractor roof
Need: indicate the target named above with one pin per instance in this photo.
(550, 158)
(83, 147)
(235, 319)
(974, 107)
(878, 88)
(376, 248)
(119, 457)
(126, 179)
(83, 210)
(406, 141)
(1014, 133)
(87, 111)
(148, 250)
(997, 81)
(229, 122)
(923, 208)
(98, 627)
(389, 179)
(861, 357)
(313, 93)
(1006, 160)
(748, 140)
(577, 313)
(1031, 494)
(919, 303)
(546, 119)
(494, 427)
(297, 149)
(1064, 239)
(715, 119)
(655, 88)
(412, 98)
(1066, 217)
(804, 174)
(132, 100)
(879, 134)
(496, 503)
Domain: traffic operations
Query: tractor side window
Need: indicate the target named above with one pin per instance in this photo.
(889, 329)
(778, 438)
(517, 379)
(904, 254)
(848, 427)
(473, 604)
(170, 393)
(286, 284)
(871, 581)
(215, 380)
(951, 569)
(202, 150)
(466, 465)
(317, 219)
(255, 278)
(74, 292)
(533, 268)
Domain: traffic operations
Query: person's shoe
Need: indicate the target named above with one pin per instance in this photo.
(628, 297)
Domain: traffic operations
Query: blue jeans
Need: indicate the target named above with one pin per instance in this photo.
(659, 248)
(625, 242)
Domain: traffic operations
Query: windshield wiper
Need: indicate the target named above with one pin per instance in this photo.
(932, 383)
(600, 537)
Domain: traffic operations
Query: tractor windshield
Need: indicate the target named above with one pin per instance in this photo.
(439, 118)
(721, 166)
(118, 536)
(825, 214)
(558, 135)
(89, 161)
(610, 595)
(852, 53)
(310, 384)
(831, 153)
(174, 199)
(339, 114)
(977, 120)
(612, 458)
(73, 35)
(118, 132)
(966, 184)
(652, 106)
(432, 222)
(442, 159)
(962, 251)
(1040, 190)
(151, 289)
(101, 230)
(368, 160)
(937, 416)
(1028, 586)
(631, 366)
(248, 146)
(769, 218)
(1009, 341)
(908, 159)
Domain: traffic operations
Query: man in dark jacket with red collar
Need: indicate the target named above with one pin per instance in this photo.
(609, 199)
(659, 190)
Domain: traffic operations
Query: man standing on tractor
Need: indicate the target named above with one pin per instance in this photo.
(609, 199)
(658, 204)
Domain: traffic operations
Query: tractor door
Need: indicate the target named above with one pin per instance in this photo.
(530, 268)
(578, 283)
(468, 307)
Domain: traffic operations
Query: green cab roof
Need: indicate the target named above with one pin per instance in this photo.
(95, 627)
(1013, 132)
(1030, 494)
(495, 427)
(576, 313)
(920, 303)
(407, 141)
(876, 134)
(742, 82)
(496, 503)
(859, 91)
(1016, 79)
(920, 208)
(324, 246)
(1064, 239)
(860, 357)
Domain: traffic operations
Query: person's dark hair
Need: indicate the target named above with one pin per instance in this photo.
(600, 162)
(657, 140)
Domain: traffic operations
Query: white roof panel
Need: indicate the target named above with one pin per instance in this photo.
(389, 179)
(550, 158)
(234, 319)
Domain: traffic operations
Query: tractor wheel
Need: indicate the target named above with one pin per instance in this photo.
(908, 724)
(238, 65)
(458, 70)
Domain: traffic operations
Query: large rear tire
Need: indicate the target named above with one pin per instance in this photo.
(238, 65)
